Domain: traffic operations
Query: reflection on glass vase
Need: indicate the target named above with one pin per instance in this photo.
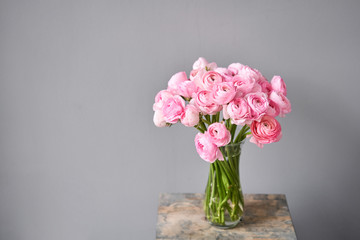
(224, 200)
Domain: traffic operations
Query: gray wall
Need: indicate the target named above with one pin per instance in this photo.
(79, 155)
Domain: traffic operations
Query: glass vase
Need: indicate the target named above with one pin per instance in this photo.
(224, 200)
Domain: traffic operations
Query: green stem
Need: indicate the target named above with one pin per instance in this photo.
(213, 183)
(228, 170)
(230, 160)
(206, 121)
(217, 117)
(227, 123)
(223, 163)
(232, 131)
(199, 128)
(208, 192)
(203, 126)
(223, 191)
(213, 118)
(225, 200)
(207, 117)
(227, 173)
(240, 136)
(217, 175)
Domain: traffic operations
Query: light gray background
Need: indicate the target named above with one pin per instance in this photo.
(80, 157)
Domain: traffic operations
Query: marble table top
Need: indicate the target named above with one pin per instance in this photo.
(181, 216)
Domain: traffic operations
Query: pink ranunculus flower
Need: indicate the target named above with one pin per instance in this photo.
(256, 88)
(273, 109)
(239, 111)
(190, 117)
(204, 101)
(203, 98)
(173, 109)
(265, 86)
(211, 109)
(282, 101)
(175, 81)
(235, 67)
(219, 135)
(278, 85)
(268, 130)
(159, 120)
(206, 149)
(196, 76)
(245, 71)
(211, 66)
(225, 112)
(200, 63)
(223, 93)
(209, 79)
(192, 102)
(225, 73)
(187, 89)
(160, 98)
(243, 85)
(258, 103)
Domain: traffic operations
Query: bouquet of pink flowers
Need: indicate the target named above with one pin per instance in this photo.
(216, 100)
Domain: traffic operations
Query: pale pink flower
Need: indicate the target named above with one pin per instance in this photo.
(246, 78)
(278, 85)
(203, 98)
(160, 98)
(243, 85)
(192, 101)
(190, 117)
(268, 130)
(175, 81)
(211, 66)
(223, 93)
(225, 112)
(273, 109)
(208, 80)
(173, 109)
(258, 103)
(211, 109)
(187, 89)
(256, 88)
(239, 111)
(196, 76)
(225, 73)
(204, 101)
(200, 67)
(200, 63)
(159, 120)
(245, 71)
(206, 149)
(219, 135)
(235, 68)
(282, 101)
(265, 86)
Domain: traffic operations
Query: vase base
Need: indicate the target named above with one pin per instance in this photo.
(227, 225)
